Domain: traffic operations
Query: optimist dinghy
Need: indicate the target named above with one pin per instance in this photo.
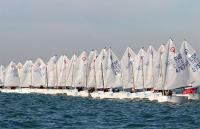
(12, 80)
(174, 75)
(192, 61)
(190, 93)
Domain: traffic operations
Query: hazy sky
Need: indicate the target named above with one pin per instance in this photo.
(42, 28)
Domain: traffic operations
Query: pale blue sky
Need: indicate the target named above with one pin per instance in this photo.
(42, 28)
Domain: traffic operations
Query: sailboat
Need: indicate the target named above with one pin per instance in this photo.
(91, 79)
(62, 65)
(2, 76)
(11, 81)
(51, 72)
(39, 76)
(51, 75)
(26, 77)
(100, 74)
(81, 75)
(175, 75)
(27, 74)
(192, 62)
(157, 73)
(70, 77)
(112, 76)
(139, 74)
(63, 72)
(149, 79)
(127, 69)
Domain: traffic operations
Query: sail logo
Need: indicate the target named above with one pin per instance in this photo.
(129, 55)
(130, 64)
(173, 49)
(15, 73)
(84, 58)
(186, 51)
(115, 67)
(65, 61)
(194, 62)
(179, 63)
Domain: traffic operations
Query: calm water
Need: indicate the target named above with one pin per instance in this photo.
(48, 112)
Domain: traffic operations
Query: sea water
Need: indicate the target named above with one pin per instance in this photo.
(18, 111)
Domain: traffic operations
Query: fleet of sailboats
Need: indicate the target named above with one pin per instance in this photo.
(152, 74)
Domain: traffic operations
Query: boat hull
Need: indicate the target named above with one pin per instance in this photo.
(194, 96)
(95, 94)
(83, 93)
(154, 96)
(172, 99)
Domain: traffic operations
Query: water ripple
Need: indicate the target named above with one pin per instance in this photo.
(18, 111)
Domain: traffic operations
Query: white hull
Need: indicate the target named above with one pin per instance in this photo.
(72, 92)
(154, 96)
(83, 93)
(107, 95)
(95, 94)
(172, 99)
(135, 95)
(194, 96)
(115, 95)
(124, 95)
(35, 91)
(145, 94)
(17, 90)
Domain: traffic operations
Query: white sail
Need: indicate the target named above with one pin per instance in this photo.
(51, 72)
(11, 76)
(91, 68)
(100, 69)
(192, 60)
(80, 72)
(2, 75)
(159, 68)
(62, 76)
(127, 68)
(175, 75)
(149, 68)
(27, 75)
(113, 70)
(59, 64)
(39, 73)
(140, 69)
(19, 67)
(70, 71)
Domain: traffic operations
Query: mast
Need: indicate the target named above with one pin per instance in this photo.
(133, 77)
(102, 74)
(152, 55)
(161, 71)
(20, 74)
(72, 73)
(132, 70)
(56, 75)
(65, 72)
(31, 75)
(95, 78)
(86, 76)
(47, 82)
(142, 71)
(168, 49)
